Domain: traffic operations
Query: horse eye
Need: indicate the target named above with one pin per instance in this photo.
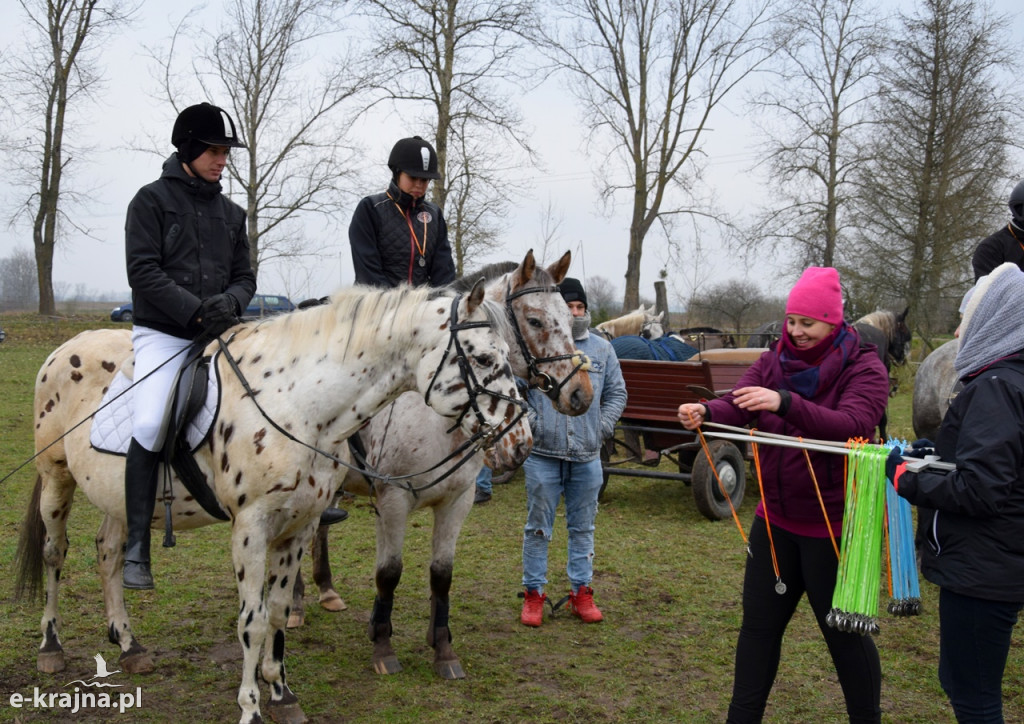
(484, 360)
(536, 323)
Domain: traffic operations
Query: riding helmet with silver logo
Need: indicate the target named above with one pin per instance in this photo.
(415, 157)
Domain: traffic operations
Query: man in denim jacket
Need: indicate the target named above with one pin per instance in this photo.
(566, 462)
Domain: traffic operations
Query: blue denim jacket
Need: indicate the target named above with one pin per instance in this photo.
(579, 439)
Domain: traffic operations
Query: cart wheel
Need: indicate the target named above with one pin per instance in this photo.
(709, 498)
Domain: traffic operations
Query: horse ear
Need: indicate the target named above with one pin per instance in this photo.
(560, 268)
(525, 271)
(660, 317)
(903, 316)
(475, 297)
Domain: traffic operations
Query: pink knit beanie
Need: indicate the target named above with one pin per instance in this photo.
(816, 295)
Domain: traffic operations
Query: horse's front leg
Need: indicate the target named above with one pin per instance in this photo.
(448, 520)
(390, 538)
(285, 557)
(110, 539)
(249, 554)
(330, 599)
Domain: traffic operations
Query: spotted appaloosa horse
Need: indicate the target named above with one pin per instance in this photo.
(543, 352)
(642, 322)
(318, 374)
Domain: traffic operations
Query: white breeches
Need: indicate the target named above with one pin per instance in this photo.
(153, 382)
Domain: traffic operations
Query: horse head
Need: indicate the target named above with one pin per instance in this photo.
(652, 328)
(542, 348)
(470, 379)
(899, 341)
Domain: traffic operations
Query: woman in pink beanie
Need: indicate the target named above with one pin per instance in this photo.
(816, 381)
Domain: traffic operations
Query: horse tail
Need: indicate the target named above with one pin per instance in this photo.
(29, 558)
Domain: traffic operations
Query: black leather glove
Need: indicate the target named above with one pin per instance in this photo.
(893, 461)
(920, 449)
(217, 314)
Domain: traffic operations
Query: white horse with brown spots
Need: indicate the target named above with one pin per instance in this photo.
(317, 374)
(543, 352)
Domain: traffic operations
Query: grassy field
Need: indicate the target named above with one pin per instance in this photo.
(667, 580)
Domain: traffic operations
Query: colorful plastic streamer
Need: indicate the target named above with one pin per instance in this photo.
(873, 507)
(855, 599)
(904, 587)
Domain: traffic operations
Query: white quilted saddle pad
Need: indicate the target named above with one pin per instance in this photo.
(111, 430)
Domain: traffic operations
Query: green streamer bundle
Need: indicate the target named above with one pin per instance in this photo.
(855, 599)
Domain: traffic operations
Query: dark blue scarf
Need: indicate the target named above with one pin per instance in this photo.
(805, 371)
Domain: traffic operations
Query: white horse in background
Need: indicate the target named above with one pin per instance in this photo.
(641, 322)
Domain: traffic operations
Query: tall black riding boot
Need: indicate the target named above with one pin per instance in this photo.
(140, 480)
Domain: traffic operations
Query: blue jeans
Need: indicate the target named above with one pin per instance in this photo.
(547, 480)
(974, 641)
(483, 480)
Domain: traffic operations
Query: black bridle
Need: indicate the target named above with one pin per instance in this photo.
(545, 384)
(473, 387)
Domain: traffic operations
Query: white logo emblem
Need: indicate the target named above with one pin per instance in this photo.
(227, 125)
(425, 153)
(424, 217)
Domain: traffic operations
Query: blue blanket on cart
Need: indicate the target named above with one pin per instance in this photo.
(664, 348)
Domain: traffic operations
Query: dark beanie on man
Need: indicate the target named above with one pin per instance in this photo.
(572, 291)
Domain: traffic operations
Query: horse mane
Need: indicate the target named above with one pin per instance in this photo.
(489, 274)
(881, 319)
(356, 314)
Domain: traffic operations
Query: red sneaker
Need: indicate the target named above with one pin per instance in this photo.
(533, 608)
(581, 604)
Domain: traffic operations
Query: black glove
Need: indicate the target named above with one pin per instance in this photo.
(893, 461)
(920, 449)
(217, 314)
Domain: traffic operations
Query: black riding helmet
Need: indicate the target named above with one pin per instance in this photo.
(200, 126)
(414, 156)
(1017, 204)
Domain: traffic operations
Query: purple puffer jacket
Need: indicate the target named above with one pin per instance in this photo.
(849, 407)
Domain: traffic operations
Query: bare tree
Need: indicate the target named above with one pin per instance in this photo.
(601, 294)
(449, 60)
(940, 156)
(55, 74)
(729, 305)
(18, 280)
(289, 104)
(648, 74)
(818, 92)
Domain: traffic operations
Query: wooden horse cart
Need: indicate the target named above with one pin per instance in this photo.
(649, 430)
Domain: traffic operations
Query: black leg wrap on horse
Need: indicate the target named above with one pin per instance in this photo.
(439, 608)
(380, 618)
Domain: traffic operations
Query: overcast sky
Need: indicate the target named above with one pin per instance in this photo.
(597, 235)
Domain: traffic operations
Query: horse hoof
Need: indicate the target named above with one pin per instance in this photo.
(139, 662)
(331, 601)
(50, 662)
(449, 670)
(286, 713)
(387, 665)
(296, 619)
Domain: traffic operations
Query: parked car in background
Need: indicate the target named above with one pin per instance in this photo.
(265, 305)
(122, 313)
(262, 305)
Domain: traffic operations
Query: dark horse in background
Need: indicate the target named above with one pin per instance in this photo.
(885, 329)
